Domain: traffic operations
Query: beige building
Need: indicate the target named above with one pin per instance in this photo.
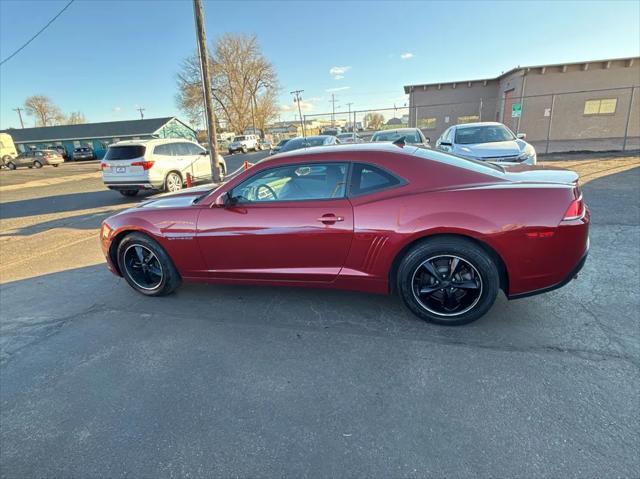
(592, 105)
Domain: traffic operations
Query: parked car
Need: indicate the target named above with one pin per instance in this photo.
(62, 151)
(412, 136)
(276, 148)
(83, 153)
(487, 141)
(7, 149)
(333, 131)
(349, 138)
(443, 232)
(244, 143)
(35, 159)
(158, 164)
(309, 141)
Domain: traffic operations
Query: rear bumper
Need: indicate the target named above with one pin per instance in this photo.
(129, 185)
(572, 275)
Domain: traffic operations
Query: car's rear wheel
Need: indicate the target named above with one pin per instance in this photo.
(173, 182)
(448, 280)
(37, 164)
(128, 192)
(55, 165)
(146, 266)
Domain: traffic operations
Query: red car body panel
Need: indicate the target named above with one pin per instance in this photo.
(516, 215)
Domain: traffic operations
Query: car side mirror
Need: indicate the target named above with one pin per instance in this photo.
(222, 201)
(521, 136)
(204, 153)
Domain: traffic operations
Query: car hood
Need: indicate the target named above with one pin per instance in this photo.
(490, 150)
(178, 199)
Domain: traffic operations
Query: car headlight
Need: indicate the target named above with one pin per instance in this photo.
(529, 154)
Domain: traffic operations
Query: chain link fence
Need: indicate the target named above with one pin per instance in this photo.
(588, 120)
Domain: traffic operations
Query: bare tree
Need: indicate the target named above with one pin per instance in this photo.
(242, 79)
(75, 118)
(373, 120)
(42, 108)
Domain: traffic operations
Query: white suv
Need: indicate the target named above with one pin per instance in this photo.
(158, 164)
(245, 143)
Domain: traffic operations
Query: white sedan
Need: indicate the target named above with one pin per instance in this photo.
(487, 141)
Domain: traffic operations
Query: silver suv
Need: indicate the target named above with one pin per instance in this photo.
(245, 143)
(158, 164)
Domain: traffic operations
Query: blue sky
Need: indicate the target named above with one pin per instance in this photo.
(105, 58)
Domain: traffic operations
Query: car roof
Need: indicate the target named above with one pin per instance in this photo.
(396, 130)
(479, 123)
(345, 148)
(149, 142)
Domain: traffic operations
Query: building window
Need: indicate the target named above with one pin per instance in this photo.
(468, 119)
(604, 106)
(427, 123)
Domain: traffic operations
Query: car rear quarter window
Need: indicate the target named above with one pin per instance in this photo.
(164, 150)
(128, 152)
(367, 179)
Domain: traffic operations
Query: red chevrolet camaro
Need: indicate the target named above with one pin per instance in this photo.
(443, 232)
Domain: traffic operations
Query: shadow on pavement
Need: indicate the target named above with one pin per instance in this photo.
(64, 203)
(616, 198)
(78, 222)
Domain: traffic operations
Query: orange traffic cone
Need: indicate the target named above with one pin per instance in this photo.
(189, 180)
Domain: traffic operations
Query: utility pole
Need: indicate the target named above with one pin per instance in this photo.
(140, 109)
(201, 36)
(298, 99)
(19, 110)
(353, 127)
(333, 110)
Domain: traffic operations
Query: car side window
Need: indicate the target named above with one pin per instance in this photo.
(164, 150)
(181, 149)
(367, 179)
(299, 182)
(194, 149)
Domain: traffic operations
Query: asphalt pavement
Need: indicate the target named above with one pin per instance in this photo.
(236, 381)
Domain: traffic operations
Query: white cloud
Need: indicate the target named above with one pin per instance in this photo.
(305, 106)
(340, 88)
(406, 56)
(116, 109)
(338, 72)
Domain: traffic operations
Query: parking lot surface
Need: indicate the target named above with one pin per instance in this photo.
(97, 380)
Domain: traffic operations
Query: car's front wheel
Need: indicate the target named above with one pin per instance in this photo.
(448, 280)
(146, 266)
(11, 165)
(37, 164)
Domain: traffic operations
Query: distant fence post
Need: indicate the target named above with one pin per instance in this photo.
(553, 101)
(626, 127)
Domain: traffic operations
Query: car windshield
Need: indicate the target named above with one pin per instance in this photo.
(469, 135)
(409, 136)
(239, 138)
(345, 136)
(307, 142)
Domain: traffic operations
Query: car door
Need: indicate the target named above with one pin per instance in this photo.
(25, 159)
(288, 223)
(202, 164)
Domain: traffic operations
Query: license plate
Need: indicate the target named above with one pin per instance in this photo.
(121, 169)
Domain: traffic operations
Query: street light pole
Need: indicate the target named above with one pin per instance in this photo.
(206, 89)
(19, 110)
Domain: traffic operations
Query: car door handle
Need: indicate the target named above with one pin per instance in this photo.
(330, 219)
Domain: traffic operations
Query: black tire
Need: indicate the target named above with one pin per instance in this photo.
(11, 165)
(231, 152)
(37, 164)
(55, 166)
(128, 192)
(433, 299)
(169, 279)
(244, 149)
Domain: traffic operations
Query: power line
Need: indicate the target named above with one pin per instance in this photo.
(38, 33)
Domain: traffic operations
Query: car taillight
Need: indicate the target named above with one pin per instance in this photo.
(576, 207)
(145, 164)
(103, 166)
